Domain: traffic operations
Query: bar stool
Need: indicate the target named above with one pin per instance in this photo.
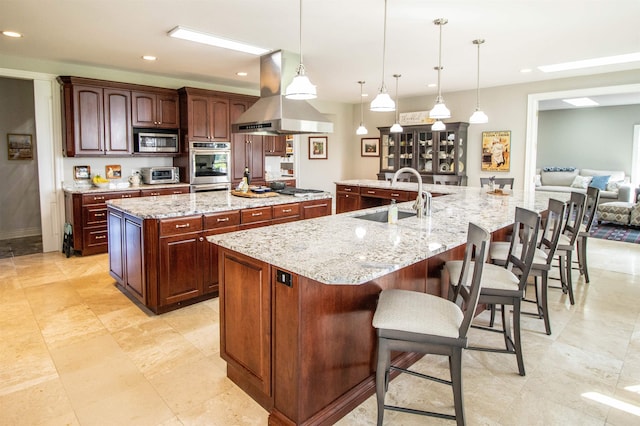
(591, 207)
(567, 241)
(501, 286)
(411, 321)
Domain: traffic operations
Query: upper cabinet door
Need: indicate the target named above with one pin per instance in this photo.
(144, 109)
(88, 120)
(117, 122)
(198, 118)
(168, 116)
(219, 119)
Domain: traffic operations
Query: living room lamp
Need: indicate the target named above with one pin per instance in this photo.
(396, 128)
(440, 110)
(383, 102)
(361, 129)
(301, 87)
(478, 117)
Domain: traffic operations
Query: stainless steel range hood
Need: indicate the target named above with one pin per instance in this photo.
(273, 114)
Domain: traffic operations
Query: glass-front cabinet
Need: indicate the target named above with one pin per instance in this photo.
(429, 152)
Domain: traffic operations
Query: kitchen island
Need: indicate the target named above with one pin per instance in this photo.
(296, 302)
(158, 253)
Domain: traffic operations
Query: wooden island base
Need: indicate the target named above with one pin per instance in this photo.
(304, 350)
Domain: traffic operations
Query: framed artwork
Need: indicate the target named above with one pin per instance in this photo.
(370, 147)
(113, 171)
(20, 147)
(81, 172)
(496, 151)
(318, 148)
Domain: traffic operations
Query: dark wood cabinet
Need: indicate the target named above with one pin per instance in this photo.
(430, 152)
(155, 109)
(275, 146)
(347, 198)
(352, 197)
(97, 120)
(163, 191)
(168, 263)
(204, 115)
(247, 150)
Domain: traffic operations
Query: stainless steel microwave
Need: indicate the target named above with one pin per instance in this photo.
(156, 142)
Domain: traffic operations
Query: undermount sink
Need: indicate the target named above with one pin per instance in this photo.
(382, 216)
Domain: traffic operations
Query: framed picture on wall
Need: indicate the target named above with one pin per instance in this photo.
(496, 151)
(20, 146)
(81, 172)
(370, 147)
(318, 148)
(113, 171)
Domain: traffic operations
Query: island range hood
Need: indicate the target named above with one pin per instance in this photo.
(273, 114)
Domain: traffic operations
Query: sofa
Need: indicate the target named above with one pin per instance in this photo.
(613, 184)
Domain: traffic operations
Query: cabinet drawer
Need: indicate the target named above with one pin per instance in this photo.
(95, 215)
(286, 210)
(95, 237)
(221, 220)
(374, 192)
(348, 188)
(102, 197)
(398, 195)
(180, 225)
(256, 215)
(163, 191)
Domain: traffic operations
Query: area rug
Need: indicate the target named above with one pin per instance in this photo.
(613, 232)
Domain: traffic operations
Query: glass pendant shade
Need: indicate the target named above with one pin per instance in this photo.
(438, 126)
(478, 117)
(382, 103)
(361, 130)
(300, 87)
(440, 111)
(396, 128)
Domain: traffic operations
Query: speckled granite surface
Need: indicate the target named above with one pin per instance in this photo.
(343, 249)
(121, 186)
(406, 186)
(166, 206)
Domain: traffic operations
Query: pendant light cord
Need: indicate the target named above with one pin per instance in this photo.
(361, 107)
(300, 40)
(384, 46)
(478, 43)
(397, 76)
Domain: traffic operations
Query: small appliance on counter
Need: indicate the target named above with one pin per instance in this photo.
(160, 175)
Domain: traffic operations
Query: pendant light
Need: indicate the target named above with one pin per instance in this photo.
(438, 126)
(301, 87)
(396, 128)
(478, 117)
(383, 101)
(361, 130)
(440, 110)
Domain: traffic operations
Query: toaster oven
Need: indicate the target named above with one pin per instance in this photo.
(158, 175)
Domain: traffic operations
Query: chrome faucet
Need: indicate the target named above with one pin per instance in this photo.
(422, 206)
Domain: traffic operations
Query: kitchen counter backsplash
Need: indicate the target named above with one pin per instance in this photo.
(166, 206)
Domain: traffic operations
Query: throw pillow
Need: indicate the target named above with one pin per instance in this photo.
(600, 182)
(614, 186)
(581, 182)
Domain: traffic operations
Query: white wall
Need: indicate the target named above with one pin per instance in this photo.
(593, 138)
(19, 195)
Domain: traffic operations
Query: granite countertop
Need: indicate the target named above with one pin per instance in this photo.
(405, 186)
(343, 249)
(119, 186)
(166, 206)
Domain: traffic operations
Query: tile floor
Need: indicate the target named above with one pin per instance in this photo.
(76, 351)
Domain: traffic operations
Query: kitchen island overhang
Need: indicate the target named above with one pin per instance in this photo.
(313, 354)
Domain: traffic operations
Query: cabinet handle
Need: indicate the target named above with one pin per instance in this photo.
(177, 192)
(99, 214)
(201, 238)
(256, 214)
(347, 189)
(286, 210)
(186, 225)
(155, 193)
(371, 192)
(100, 237)
(126, 196)
(223, 219)
(395, 195)
(98, 198)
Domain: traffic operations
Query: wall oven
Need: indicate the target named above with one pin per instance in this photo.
(210, 166)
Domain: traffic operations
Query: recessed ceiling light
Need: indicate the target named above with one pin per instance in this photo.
(525, 70)
(12, 34)
(241, 74)
(432, 85)
(365, 95)
(149, 58)
(588, 63)
(200, 37)
(581, 102)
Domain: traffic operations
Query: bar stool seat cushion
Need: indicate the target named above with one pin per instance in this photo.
(417, 313)
(496, 279)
